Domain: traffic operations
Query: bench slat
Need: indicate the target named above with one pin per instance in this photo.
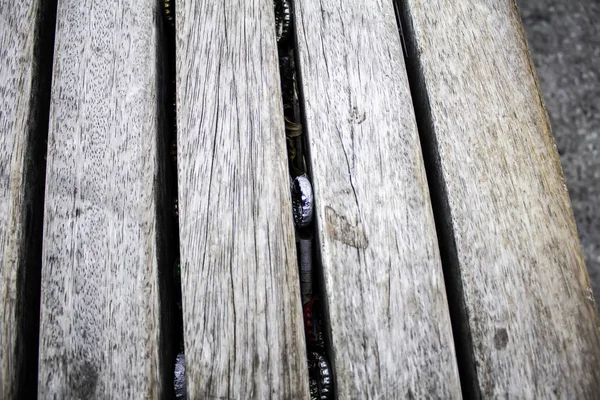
(23, 124)
(241, 299)
(513, 245)
(384, 288)
(100, 309)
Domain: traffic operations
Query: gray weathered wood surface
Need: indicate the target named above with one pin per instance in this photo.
(513, 244)
(384, 288)
(100, 313)
(21, 192)
(241, 299)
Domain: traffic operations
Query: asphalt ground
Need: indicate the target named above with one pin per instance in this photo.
(564, 40)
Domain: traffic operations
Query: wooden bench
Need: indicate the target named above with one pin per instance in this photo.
(450, 264)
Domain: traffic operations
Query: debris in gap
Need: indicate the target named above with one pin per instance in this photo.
(313, 325)
(180, 385)
(168, 8)
(168, 11)
(293, 133)
(320, 379)
(320, 376)
(302, 201)
(283, 19)
(305, 252)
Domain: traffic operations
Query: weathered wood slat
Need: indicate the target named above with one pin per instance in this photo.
(513, 246)
(100, 312)
(23, 126)
(241, 302)
(390, 327)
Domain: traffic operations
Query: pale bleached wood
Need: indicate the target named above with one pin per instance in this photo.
(390, 327)
(241, 299)
(99, 330)
(23, 116)
(513, 245)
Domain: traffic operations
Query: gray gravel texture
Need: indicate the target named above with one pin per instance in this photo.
(564, 40)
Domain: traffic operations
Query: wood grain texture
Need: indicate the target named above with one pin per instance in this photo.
(390, 328)
(23, 127)
(527, 302)
(241, 298)
(100, 311)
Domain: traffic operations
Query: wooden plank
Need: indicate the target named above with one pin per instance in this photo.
(390, 328)
(24, 38)
(241, 298)
(513, 245)
(100, 313)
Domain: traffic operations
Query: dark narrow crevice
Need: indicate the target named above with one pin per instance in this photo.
(171, 323)
(316, 322)
(463, 341)
(318, 274)
(32, 212)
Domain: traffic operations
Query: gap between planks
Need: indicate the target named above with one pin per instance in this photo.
(27, 40)
(390, 328)
(524, 319)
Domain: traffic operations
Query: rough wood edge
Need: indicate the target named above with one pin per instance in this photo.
(475, 383)
(20, 254)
